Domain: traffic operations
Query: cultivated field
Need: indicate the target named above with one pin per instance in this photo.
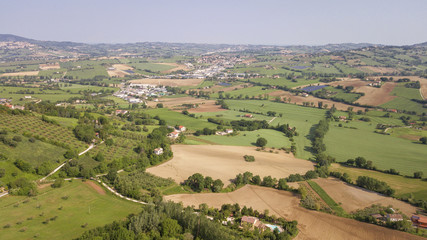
(169, 82)
(225, 162)
(353, 198)
(299, 100)
(176, 66)
(404, 186)
(49, 66)
(383, 150)
(62, 213)
(176, 103)
(312, 224)
(373, 96)
(19, 74)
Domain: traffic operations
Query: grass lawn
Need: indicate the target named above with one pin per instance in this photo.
(248, 138)
(303, 118)
(83, 206)
(174, 118)
(331, 203)
(384, 151)
(404, 186)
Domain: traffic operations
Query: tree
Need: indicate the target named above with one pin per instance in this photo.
(70, 154)
(170, 228)
(2, 172)
(99, 157)
(418, 174)
(261, 142)
(268, 181)
(58, 183)
(217, 185)
(423, 140)
(84, 132)
(196, 182)
(208, 182)
(282, 185)
(256, 180)
(360, 162)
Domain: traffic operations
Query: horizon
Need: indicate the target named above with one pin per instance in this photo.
(278, 23)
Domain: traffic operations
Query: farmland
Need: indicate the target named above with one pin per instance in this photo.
(311, 224)
(303, 118)
(37, 128)
(405, 187)
(225, 162)
(248, 138)
(383, 150)
(75, 207)
(352, 198)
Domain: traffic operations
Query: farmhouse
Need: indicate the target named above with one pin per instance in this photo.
(27, 97)
(173, 135)
(158, 151)
(248, 116)
(121, 112)
(394, 217)
(342, 118)
(228, 131)
(182, 128)
(250, 221)
(419, 221)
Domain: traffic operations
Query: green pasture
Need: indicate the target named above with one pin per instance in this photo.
(76, 206)
(383, 150)
(284, 82)
(175, 118)
(303, 118)
(274, 138)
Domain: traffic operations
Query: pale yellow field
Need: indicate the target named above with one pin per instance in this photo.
(225, 162)
(353, 198)
(29, 73)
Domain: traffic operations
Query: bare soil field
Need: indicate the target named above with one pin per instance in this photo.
(119, 70)
(29, 73)
(225, 162)
(373, 96)
(95, 186)
(177, 67)
(176, 104)
(370, 69)
(312, 224)
(49, 66)
(169, 82)
(300, 99)
(353, 198)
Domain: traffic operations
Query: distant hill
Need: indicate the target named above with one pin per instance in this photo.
(55, 49)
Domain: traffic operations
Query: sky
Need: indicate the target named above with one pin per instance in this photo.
(268, 22)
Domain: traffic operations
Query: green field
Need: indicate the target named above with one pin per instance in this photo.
(34, 126)
(248, 138)
(384, 151)
(243, 92)
(175, 118)
(83, 206)
(404, 186)
(284, 82)
(303, 118)
(403, 100)
(233, 115)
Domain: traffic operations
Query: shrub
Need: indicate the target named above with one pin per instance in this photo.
(261, 142)
(249, 158)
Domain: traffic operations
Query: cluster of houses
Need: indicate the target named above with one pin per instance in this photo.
(176, 131)
(134, 93)
(8, 103)
(223, 133)
(375, 84)
(417, 221)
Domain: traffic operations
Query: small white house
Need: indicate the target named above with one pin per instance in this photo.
(182, 128)
(158, 151)
(228, 131)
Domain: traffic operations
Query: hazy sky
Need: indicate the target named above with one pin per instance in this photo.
(282, 22)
